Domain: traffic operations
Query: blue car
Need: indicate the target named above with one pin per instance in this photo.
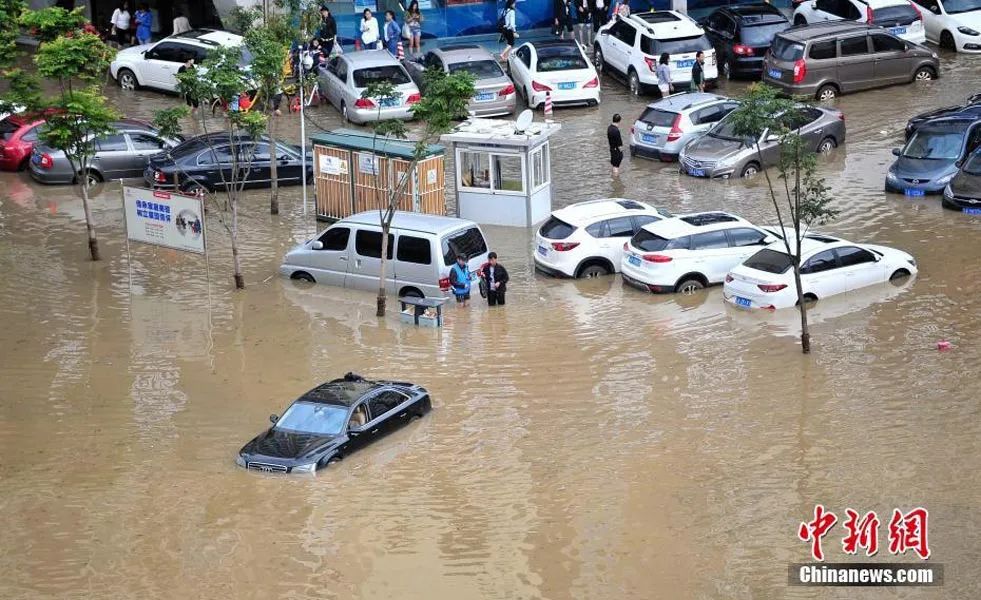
(932, 156)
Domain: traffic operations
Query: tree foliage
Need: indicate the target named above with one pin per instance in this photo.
(48, 24)
(10, 12)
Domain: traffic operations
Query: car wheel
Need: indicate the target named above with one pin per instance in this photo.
(899, 275)
(827, 145)
(826, 93)
(593, 271)
(808, 300)
(193, 188)
(633, 82)
(924, 74)
(689, 286)
(528, 99)
(127, 80)
(750, 170)
(302, 276)
(598, 61)
(947, 41)
(411, 293)
(344, 115)
(92, 178)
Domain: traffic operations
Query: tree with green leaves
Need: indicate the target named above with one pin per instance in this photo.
(800, 197)
(10, 13)
(447, 97)
(75, 59)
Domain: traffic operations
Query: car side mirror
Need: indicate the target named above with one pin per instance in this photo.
(768, 240)
(896, 151)
(318, 245)
(772, 138)
(353, 431)
(906, 47)
(273, 418)
(604, 32)
(814, 5)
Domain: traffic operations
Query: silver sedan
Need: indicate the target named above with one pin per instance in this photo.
(495, 94)
(345, 77)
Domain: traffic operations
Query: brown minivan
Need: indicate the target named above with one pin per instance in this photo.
(824, 60)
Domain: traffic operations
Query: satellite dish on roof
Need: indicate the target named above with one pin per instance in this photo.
(524, 121)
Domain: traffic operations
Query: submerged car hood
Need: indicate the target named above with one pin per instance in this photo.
(921, 168)
(966, 185)
(285, 444)
(712, 148)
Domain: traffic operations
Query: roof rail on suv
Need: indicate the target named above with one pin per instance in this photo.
(708, 218)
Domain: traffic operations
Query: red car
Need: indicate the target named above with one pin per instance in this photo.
(17, 136)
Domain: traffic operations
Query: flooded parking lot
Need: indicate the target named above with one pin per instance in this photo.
(587, 441)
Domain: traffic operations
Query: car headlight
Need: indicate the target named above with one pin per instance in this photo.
(935, 56)
(911, 261)
(967, 31)
(240, 461)
(947, 192)
(891, 177)
(309, 468)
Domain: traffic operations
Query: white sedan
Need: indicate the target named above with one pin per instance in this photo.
(830, 266)
(953, 24)
(558, 68)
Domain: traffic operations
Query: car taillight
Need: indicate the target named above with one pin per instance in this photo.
(594, 82)
(800, 70)
(841, 116)
(675, 134)
(564, 246)
(651, 64)
(364, 103)
(712, 58)
(413, 98)
(656, 258)
(728, 277)
(159, 177)
(506, 91)
(772, 287)
(46, 161)
(919, 15)
(625, 248)
(540, 87)
(742, 50)
(868, 13)
(444, 284)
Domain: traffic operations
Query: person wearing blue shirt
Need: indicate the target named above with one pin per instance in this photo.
(144, 24)
(460, 280)
(393, 32)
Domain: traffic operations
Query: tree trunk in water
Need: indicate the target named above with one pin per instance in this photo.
(805, 334)
(380, 312)
(274, 174)
(93, 242)
(236, 262)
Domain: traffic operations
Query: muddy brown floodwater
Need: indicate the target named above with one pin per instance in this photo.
(588, 441)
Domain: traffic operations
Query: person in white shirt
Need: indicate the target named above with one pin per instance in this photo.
(181, 24)
(120, 24)
(369, 32)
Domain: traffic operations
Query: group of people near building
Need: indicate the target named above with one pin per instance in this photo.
(127, 28)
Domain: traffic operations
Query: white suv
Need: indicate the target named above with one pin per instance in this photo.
(631, 47)
(586, 239)
(156, 65)
(687, 253)
(899, 17)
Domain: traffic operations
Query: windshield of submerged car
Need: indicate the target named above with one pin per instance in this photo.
(726, 130)
(762, 34)
(562, 58)
(313, 417)
(972, 166)
(769, 261)
(480, 69)
(955, 7)
(936, 142)
(784, 49)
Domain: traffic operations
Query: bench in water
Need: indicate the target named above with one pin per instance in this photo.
(425, 312)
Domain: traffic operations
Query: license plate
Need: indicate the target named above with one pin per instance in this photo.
(36, 158)
(774, 73)
(972, 211)
(390, 102)
(684, 64)
(647, 137)
(484, 96)
(696, 172)
(634, 260)
(543, 250)
(567, 85)
(898, 30)
(914, 192)
(743, 301)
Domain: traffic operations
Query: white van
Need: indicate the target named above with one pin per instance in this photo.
(421, 250)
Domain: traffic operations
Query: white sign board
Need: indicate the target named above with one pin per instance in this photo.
(164, 219)
(330, 165)
(368, 163)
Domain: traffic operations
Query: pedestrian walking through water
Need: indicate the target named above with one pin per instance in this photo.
(508, 28)
(496, 279)
(616, 144)
(460, 280)
(698, 73)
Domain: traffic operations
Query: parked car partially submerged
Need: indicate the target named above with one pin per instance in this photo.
(345, 78)
(331, 421)
(494, 93)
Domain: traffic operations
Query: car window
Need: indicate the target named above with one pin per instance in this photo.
(30, 135)
(762, 34)
(651, 242)
(220, 156)
(599, 229)
(801, 117)
(657, 117)
(850, 256)
(393, 74)
(524, 53)
(313, 417)
(111, 143)
(625, 32)
(933, 5)
(556, 229)
(744, 236)
(167, 51)
(641, 220)
(681, 45)
(786, 50)
(854, 46)
(823, 50)
(257, 151)
(709, 240)
(711, 114)
(620, 227)
(469, 243)
(828, 6)
(956, 7)
(432, 61)
(384, 402)
(341, 70)
(896, 15)
(415, 250)
(368, 243)
(972, 166)
(560, 58)
(480, 69)
(145, 141)
(974, 139)
(887, 43)
(822, 261)
(769, 261)
(715, 21)
(335, 238)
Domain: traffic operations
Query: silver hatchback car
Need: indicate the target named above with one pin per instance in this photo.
(666, 126)
(344, 78)
(495, 92)
(722, 153)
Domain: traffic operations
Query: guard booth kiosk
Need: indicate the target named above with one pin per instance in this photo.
(353, 172)
(503, 175)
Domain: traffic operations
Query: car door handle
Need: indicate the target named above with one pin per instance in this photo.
(357, 262)
(342, 257)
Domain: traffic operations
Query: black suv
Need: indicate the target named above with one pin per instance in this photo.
(963, 193)
(741, 35)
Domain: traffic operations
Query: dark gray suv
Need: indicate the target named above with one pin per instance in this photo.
(839, 57)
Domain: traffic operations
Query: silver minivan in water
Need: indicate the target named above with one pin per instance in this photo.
(421, 250)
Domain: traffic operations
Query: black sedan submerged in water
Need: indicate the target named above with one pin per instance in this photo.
(331, 421)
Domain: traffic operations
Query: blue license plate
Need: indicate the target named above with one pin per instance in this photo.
(543, 250)
(696, 172)
(774, 73)
(743, 301)
(914, 192)
(650, 139)
(484, 96)
(390, 102)
(684, 64)
(972, 211)
(567, 85)
(36, 158)
(634, 260)
(898, 31)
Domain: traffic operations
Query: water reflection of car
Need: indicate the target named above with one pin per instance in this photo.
(331, 421)
(723, 153)
(205, 162)
(930, 159)
(122, 154)
(556, 68)
(669, 124)
(973, 103)
(344, 78)
(829, 266)
(494, 96)
(963, 193)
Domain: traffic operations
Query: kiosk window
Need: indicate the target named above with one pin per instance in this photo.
(475, 170)
(507, 173)
(539, 167)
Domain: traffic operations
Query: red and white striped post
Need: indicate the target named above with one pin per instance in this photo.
(548, 105)
(401, 51)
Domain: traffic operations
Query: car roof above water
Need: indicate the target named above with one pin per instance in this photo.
(462, 53)
(347, 390)
(411, 221)
(805, 33)
(684, 101)
(693, 223)
(582, 212)
(370, 58)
